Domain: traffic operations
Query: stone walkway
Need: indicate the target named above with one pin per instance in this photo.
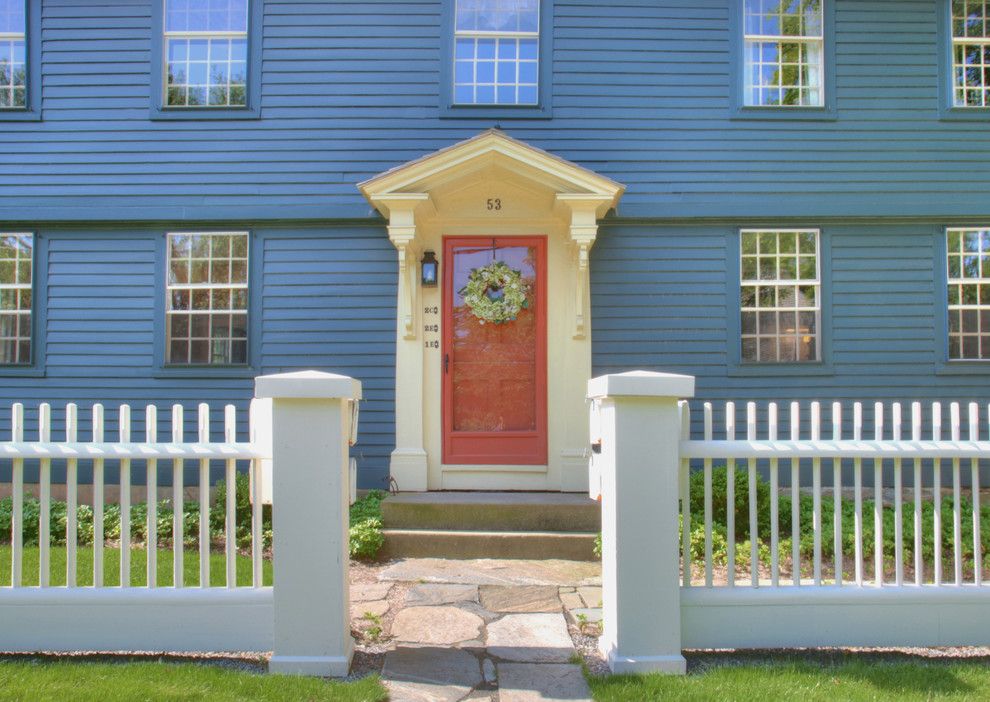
(492, 631)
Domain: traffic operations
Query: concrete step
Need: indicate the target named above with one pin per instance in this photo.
(493, 512)
(430, 543)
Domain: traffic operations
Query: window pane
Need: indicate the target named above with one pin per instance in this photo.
(968, 293)
(206, 15)
(785, 327)
(201, 327)
(784, 53)
(489, 66)
(16, 254)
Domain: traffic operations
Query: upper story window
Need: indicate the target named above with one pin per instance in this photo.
(496, 52)
(780, 296)
(968, 254)
(13, 54)
(784, 51)
(970, 53)
(206, 50)
(207, 299)
(16, 279)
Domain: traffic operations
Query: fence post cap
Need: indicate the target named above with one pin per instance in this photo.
(308, 384)
(642, 384)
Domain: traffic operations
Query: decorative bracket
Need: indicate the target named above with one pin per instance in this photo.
(585, 210)
(400, 208)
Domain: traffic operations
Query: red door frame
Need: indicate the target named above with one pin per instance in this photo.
(495, 448)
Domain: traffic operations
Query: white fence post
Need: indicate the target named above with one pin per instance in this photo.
(639, 465)
(311, 425)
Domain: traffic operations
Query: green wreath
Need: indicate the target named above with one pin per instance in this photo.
(495, 293)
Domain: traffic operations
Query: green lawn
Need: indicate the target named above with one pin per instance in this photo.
(109, 682)
(111, 567)
(853, 679)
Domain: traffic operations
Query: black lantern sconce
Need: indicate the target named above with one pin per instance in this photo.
(429, 267)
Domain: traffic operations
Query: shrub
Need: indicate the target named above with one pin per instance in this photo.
(367, 536)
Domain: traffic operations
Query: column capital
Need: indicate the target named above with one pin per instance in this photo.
(308, 384)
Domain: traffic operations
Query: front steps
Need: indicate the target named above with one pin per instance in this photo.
(466, 525)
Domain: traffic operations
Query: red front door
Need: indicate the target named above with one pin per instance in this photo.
(494, 375)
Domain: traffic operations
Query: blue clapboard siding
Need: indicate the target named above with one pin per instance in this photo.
(660, 302)
(327, 302)
(640, 93)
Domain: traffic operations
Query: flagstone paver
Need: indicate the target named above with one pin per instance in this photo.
(531, 638)
(431, 594)
(525, 598)
(436, 625)
(592, 596)
(363, 592)
(529, 682)
(571, 600)
(590, 614)
(360, 610)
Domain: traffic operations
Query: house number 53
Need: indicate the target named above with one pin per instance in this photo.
(494, 203)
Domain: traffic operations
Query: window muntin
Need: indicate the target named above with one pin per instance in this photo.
(970, 53)
(13, 54)
(968, 265)
(207, 299)
(16, 279)
(780, 293)
(496, 52)
(206, 53)
(784, 53)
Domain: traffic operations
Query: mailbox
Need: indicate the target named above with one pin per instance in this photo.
(595, 455)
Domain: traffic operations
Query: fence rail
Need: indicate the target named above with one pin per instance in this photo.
(131, 457)
(847, 457)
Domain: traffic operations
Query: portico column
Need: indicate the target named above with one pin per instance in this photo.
(408, 466)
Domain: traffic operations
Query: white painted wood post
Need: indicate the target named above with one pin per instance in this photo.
(639, 464)
(311, 419)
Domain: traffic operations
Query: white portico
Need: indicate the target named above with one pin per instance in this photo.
(464, 389)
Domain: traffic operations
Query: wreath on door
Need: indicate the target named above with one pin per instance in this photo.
(495, 293)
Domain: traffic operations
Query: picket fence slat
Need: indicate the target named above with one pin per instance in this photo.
(912, 560)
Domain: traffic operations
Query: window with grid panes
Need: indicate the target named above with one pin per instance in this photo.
(780, 291)
(206, 45)
(207, 299)
(970, 53)
(784, 53)
(16, 280)
(13, 54)
(496, 52)
(968, 262)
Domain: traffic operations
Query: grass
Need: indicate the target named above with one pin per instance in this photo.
(111, 567)
(861, 678)
(111, 682)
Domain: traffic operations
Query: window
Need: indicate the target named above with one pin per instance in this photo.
(784, 51)
(207, 299)
(206, 50)
(496, 52)
(970, 53)
(968, 261)
(13, 54)
(780, 293)
(16, 276)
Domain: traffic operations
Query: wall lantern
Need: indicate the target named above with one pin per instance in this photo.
(430, 267)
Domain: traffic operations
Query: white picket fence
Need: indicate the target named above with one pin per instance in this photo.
(867, 593)
(130, 456)
(301, 425)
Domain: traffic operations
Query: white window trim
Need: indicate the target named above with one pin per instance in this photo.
(750, 39)
(19, 312)
(494, 34)
(957, 41)
(984, 357)
(778, 283)
(205, 34)
(170, 287)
